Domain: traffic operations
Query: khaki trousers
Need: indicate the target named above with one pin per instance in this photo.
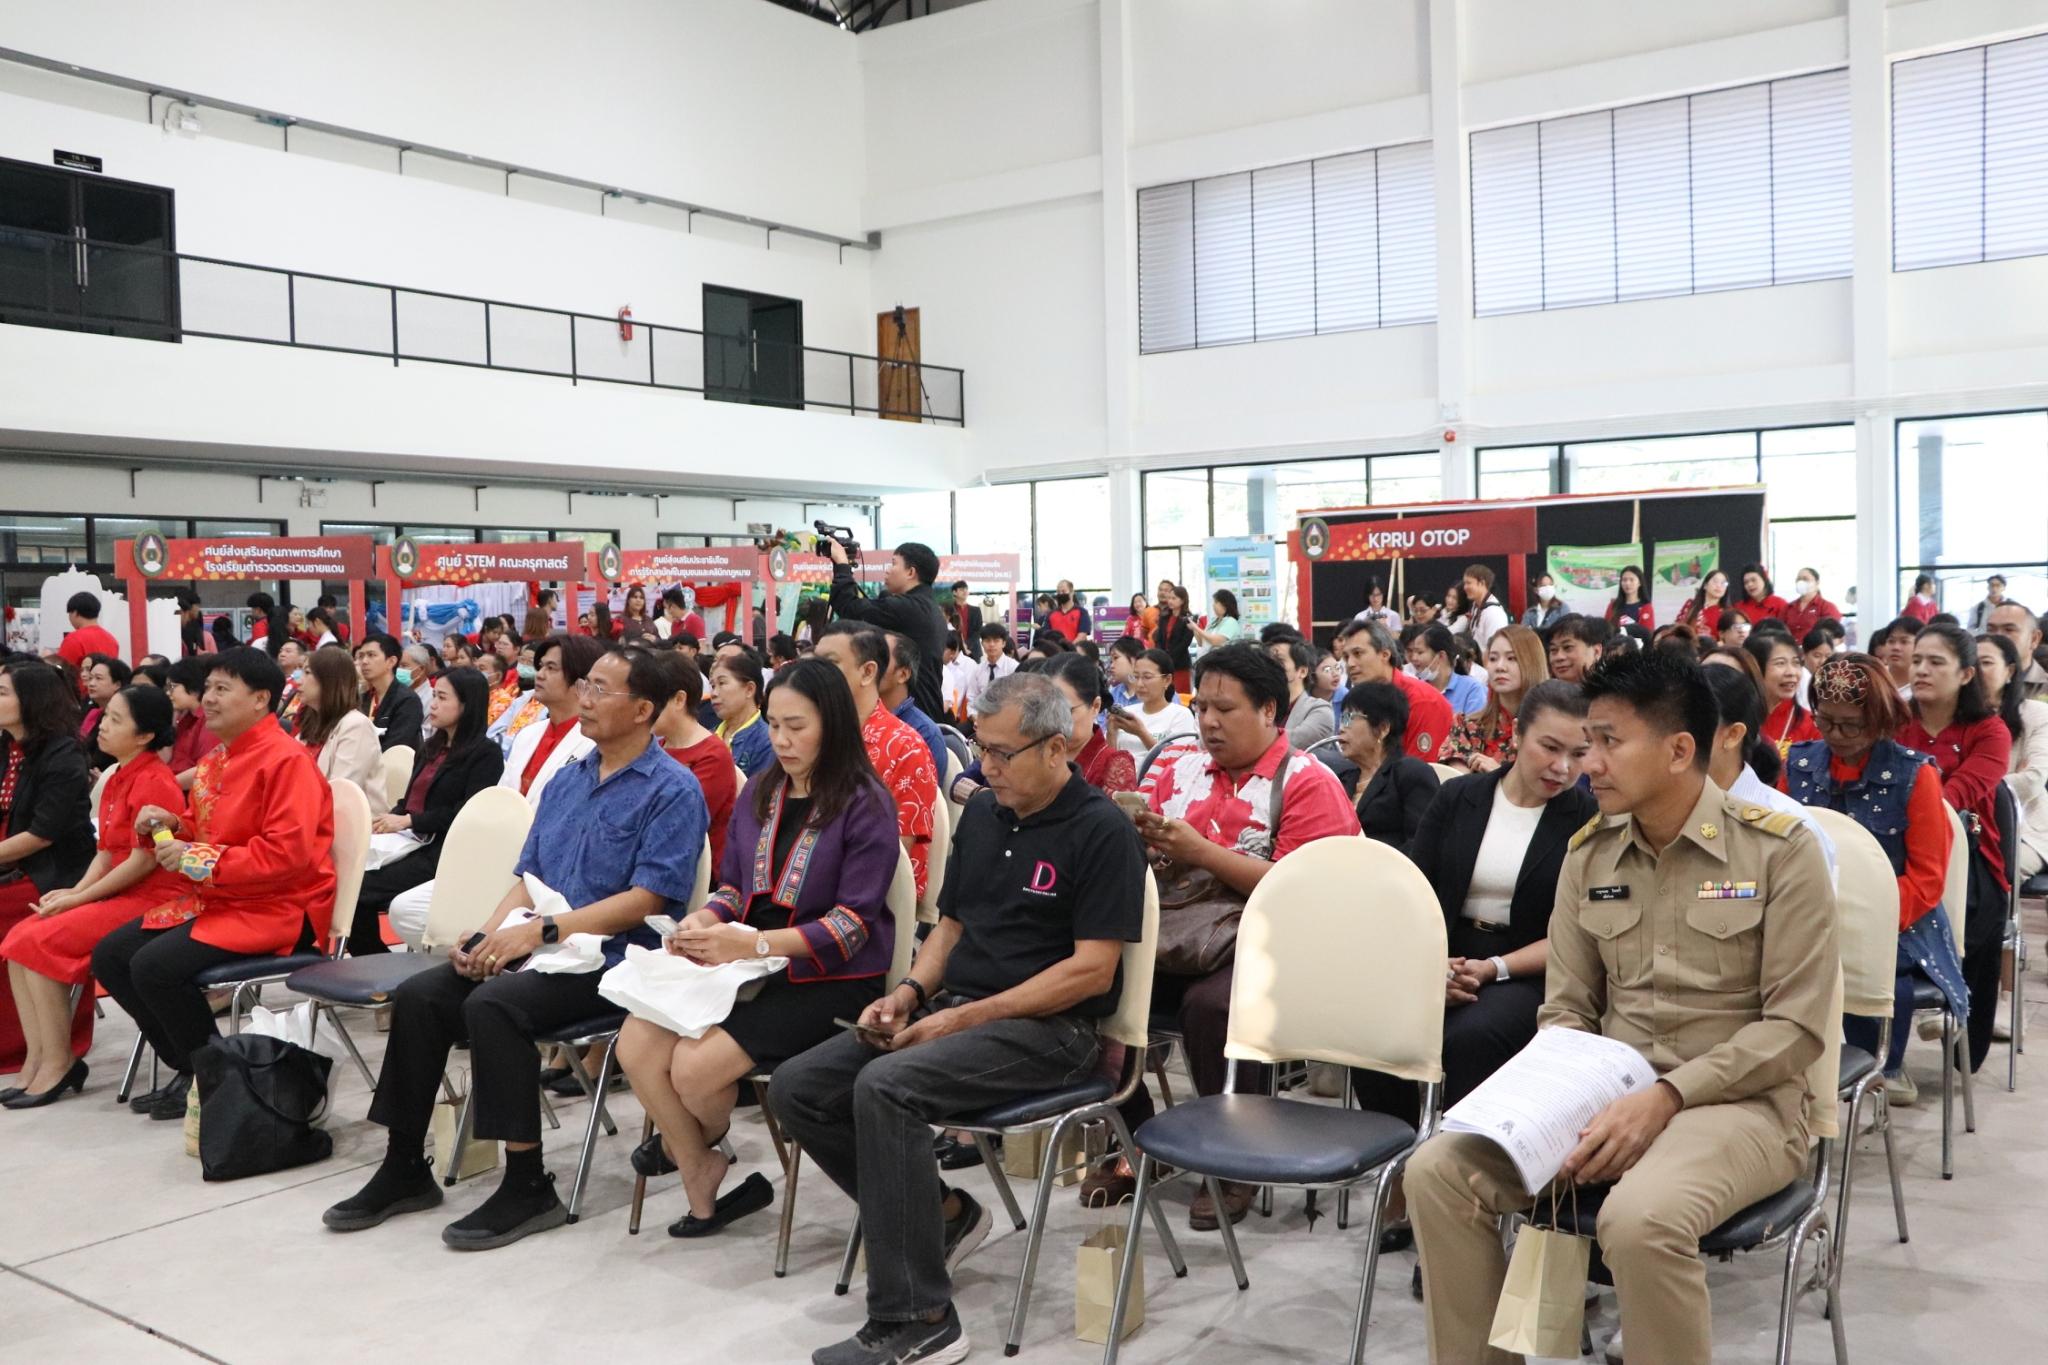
(1710, 1163)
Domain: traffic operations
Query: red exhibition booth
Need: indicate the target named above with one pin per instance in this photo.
(151, 558)
(408, 563)
(721, 576)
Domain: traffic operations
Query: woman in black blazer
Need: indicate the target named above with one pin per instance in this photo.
(455, 763)
(46, 836)
(1395, 788)
(1492, 846)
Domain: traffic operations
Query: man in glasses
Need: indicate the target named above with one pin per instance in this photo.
(617, 835)
(1046, 886)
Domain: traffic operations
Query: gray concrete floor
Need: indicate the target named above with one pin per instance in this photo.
(113, 1249)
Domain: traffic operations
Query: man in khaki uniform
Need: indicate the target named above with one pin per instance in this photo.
(1700, 930)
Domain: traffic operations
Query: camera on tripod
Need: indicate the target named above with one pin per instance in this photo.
(842, 534)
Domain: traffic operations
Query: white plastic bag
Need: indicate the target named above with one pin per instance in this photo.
(294, 1025)
(575, 954)
(677, 994)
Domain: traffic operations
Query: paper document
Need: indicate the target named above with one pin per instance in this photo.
(1537, 1103)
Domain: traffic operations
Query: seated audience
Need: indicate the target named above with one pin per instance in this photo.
(2019, 625)
(1631, 604)
(806, 877)
(153, 673)
(1308, 718)
(1808, 609)
(1703, 611)
(1492, 845)
(537, 751)
(50, 954)
(291, 661)
(1159, 714)
(900, 758)
(2026, 720)
(1367, 650)
(736, 697)
(500, 700)
(454, 764)
(1212, 811)
(1123, 657)
(895, 683)
(1758, 598)
(1393, 788)
(1329, 677)
(618, 836)
(388, 697)
(1574, 645)
(86, 636)
(782, 650)
(104, 676)
(1514, 664)
(686, 741)
(676, 617)
(422, 665)
(194, 741)
(1745, 764)
(1951, 723)
(332, 725)
(1860, 768)
(1430, 650)
(1777, 660)
(1816, 648)
(254, 847)
(1731, 1027)
(1103, 766)
(1003, 1002)
(1734, 627)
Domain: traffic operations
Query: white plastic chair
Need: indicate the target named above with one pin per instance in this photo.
(396, 766)
(1445, 772)
(936, 853)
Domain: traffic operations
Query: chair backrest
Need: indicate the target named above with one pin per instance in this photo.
(2008, 808)
(99, 791)
(739, 775)
(956, 744)
(1824, 1077)
(1445, 772)
(351, 847)
(1134, 1006)
(939, 850)
(477, 857)
(1320, 977)
(700, 886)
(902, 903)
(1866, 915)
(397, 765)
(1172, 745)
(1955, 891)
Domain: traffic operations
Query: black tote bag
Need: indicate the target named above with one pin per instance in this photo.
(260, 1101)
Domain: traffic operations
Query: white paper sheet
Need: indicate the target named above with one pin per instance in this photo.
(1536, 1104)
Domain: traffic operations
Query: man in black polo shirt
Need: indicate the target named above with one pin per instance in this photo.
(1045, 886)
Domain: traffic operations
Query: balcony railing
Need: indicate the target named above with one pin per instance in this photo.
(52, 280)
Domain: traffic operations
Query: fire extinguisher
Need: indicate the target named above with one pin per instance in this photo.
(626, 324)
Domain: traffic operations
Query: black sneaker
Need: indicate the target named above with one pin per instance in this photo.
(393, 1190)
(170, 1101)
(508, 1215)
(146, 1101)
(900, 1343)
(967, 1231)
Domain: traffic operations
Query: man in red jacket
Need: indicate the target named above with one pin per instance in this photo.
(1367, 650)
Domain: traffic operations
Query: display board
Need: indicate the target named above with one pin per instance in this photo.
(152, 558)
(718, 576)
(1244, 566)
(407, 562)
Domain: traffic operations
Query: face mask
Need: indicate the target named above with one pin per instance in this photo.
(404, 677)
(526, 674)
(1545, 592)
(1806, 585)
(298, 675)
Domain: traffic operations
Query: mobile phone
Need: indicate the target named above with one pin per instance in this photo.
(864, 1033)
(662, 924)
(469, 944)
(1134, 803)
(1119, 712)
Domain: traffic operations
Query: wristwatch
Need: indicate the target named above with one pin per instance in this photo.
(550, 932)
(1500, 968)
(761, 946)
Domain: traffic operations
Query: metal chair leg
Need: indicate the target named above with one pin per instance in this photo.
(1228, 1230)
(1788, 1294)
(996, 1173)
(355, 1053)
(1372, 1257)
(639, 1184)
(1128, 1271)
(852, 1254)
(791, 1158)
(1041, 1204)
(128, 1076)
(597, 1115)
(461, 1137)
(1158, 1210)
(595, 1090)
(1834, 1305)
(1948, 1095)
(1969, 1084)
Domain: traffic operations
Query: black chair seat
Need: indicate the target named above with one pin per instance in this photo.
(1856, 1064)
(1260, 1140)
(1927, 995)
(1761, 1221)
(361, 980)
(2036, 885)
(1046, 1105)
(254, 968)
(610, 1022)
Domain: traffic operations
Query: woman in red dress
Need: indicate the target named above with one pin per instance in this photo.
(51, 953)
(1787, 722)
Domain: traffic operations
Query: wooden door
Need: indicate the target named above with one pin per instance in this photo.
(900, 390)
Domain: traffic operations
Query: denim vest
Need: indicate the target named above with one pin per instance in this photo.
(1877, 801)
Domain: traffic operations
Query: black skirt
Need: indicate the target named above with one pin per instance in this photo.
(792, 1017)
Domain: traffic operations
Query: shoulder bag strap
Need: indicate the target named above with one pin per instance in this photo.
(1279, 803)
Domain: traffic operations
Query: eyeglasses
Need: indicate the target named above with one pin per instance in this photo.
(596, 691)
(1008, 756)
(1847, 729)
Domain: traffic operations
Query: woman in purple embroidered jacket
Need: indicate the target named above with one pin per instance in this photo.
(808, 860)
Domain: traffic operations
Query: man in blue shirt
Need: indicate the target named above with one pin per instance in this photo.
(903, 659)
(1429, 649)
(618, 835)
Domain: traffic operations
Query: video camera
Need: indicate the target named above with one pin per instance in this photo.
(842, 534)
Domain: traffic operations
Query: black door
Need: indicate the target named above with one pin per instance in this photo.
(83, 252)
(753, 348)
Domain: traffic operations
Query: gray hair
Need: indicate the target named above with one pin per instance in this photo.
(1042, 709)
(1382, 639)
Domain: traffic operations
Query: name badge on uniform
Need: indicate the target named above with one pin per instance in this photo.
(1727, 891)
(1608, 893)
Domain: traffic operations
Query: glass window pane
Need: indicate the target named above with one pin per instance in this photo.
(1662, 462)
(1971, 490)
(1233, 497)
(107, 530)
(382, 535)
(592, 540)
(1958, 590)
(1811, 471)
(1828, 548)
(1517, 471)
(996, 520)
(1073, 533)
(442, 535)
(507, 535)
(926, 517)
(205, 529)
(1169, 564)
(1176, 507)
(1407, 478)
(33, 539)
(671, 540)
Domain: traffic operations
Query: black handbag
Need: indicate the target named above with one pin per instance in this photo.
(260, 1101)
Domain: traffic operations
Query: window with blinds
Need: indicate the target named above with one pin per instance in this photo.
(1729, 189)
(1338, 244)
(1970, 155)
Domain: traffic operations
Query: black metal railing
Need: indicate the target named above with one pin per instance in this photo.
(54, 280)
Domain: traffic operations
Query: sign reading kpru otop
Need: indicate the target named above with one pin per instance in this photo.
(1502, 531)
(332, 557)
(557, 560)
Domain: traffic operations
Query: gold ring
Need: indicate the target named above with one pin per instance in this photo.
(492, 960)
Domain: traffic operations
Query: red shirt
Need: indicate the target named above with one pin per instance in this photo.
(1925, 879)
(87, 639)
(548, 740)
(1753, 611)
(1429, 720)
(1067, 623)
(1922, 609)
(711, 762)
(1973, 760)
(904, 763)
(1788, 724)
(145, 780)
(1801, 617)
(1232, 812)
(194, 741)
(1105, 767)
(1639, 612)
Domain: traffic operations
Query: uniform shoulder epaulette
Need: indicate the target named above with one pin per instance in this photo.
(1779, 823)
(1585, 832)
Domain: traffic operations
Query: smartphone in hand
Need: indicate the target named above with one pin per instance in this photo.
(1134, 804)
(878, 1041)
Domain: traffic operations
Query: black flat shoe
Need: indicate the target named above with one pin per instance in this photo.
(146, 1101)
(170, 1103)
(651, 1159)
(74, 1079)
(955, 1155)
(1400, 1237)
(9, 1093)
(750, 1196)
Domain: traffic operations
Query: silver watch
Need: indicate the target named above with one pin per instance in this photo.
(1500, 968)
(761, 946)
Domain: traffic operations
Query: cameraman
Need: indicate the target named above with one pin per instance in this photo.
(906, 606)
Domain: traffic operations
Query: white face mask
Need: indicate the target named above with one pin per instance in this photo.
(1544, 592)
(1806, 587)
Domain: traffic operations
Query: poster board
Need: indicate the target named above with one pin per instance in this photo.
(719, 576)
(407, 561)
(1588, 576)
(150, 558)
(1245, 566)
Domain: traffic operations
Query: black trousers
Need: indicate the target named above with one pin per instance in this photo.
(381, 886)
(1478, 1037)
(1983, 954)
(149, 972)
(498, 1018)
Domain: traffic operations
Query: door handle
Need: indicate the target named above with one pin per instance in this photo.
(80, 269)
(754, 350)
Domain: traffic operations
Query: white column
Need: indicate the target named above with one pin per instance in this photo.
(1877, 547)
(1453, 258)
(1119, 231)
(1126, 535)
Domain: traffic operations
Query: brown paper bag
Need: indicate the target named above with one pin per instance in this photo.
(1542, 1309)
(1096, 1267)
(477, 1156)
(192, 1121)
(1024, 1155)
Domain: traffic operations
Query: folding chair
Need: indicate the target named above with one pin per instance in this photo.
(396, 768)
(1955, 1040)
(935, 862)
(2015, 942)
(1314, 980)
(481, 848)
(1867, 922)
(1445, 772)
(1184, 742)
(957, 745)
